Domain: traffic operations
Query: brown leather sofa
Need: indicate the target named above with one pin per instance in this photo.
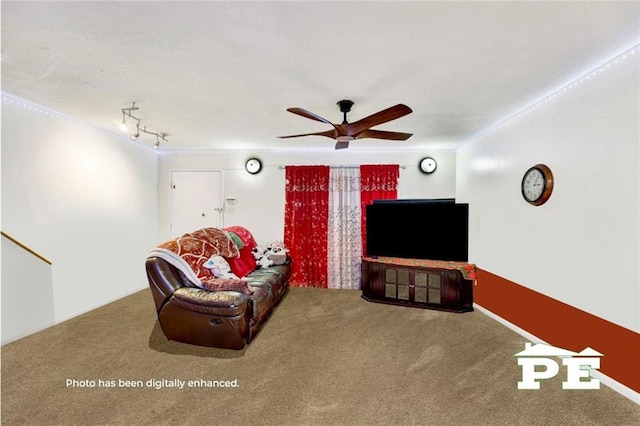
(221, 319)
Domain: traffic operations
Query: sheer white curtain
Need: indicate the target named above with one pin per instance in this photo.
(344, 248)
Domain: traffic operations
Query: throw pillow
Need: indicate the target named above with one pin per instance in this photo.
(226, 284)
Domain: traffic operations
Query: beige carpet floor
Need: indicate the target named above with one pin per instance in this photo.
(326, 357)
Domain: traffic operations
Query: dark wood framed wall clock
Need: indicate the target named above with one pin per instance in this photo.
(537, 185)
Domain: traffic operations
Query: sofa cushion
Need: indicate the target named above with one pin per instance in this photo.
(210, 298)
(222, 303)
(269, 276)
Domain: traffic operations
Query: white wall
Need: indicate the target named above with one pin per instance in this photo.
(581, 247)
(260, 198)
(81, 197)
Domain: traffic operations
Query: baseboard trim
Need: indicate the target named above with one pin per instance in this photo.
(604, 379)
(101, 304)
(67, 318)
(29, 333)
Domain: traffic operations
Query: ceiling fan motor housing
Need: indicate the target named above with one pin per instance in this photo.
(345, 105)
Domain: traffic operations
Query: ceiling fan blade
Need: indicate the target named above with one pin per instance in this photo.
(381, 134)
(380, 117)
(309, 114)
(328, 133)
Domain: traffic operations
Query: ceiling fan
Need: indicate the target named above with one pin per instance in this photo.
(361, 129)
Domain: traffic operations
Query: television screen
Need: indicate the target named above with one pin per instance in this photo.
(418, 229)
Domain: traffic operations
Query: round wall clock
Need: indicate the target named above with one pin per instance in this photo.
(537, 185)
(253, 166)
(428, 165)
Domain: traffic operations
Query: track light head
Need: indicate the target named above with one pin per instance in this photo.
(136, 135)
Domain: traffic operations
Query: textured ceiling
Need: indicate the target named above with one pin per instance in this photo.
(220, 75)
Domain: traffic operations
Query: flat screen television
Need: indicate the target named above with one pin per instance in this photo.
(419, 229)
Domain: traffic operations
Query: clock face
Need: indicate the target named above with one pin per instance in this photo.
(253, 165)
(428, 165)
(537, 184)
(533, 185)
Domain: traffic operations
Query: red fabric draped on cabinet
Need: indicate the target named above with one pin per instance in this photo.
(305, 230)
(377, 182)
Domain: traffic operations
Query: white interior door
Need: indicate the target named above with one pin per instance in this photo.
(196, 201)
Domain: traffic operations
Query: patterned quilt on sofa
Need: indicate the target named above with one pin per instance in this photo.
(189, 252)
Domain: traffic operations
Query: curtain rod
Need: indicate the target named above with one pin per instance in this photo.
(347, 166)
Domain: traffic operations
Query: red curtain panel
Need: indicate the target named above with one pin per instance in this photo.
(305, 231)
(377, 182)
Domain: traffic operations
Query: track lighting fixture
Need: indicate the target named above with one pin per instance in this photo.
(128, 112)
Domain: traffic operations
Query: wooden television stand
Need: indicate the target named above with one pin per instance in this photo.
(441, 285)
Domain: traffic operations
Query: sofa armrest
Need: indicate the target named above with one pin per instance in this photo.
(164, 279)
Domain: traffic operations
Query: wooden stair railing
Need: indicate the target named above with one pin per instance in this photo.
(25, 247)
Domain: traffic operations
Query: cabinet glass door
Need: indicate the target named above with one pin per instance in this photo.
(396, 283)
(434, 288)
(420, 289)
(390, 283)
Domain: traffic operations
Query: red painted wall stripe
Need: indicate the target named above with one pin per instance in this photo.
(562, 325)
